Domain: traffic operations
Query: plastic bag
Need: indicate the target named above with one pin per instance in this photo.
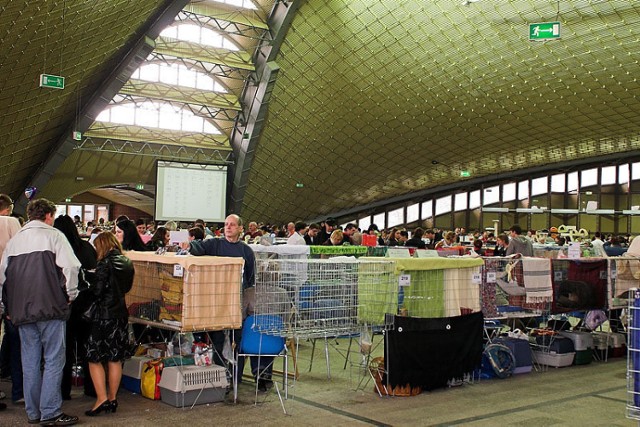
(365, 340)
(227, 349)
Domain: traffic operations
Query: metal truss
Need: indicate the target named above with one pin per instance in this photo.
(181, 153)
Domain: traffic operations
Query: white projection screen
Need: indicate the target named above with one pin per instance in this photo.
(189, 191)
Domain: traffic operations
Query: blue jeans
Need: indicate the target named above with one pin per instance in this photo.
(42, 396)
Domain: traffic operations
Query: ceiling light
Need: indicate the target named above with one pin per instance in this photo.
(502, 210)
(564, 211)
(533, 209)
(468, 2)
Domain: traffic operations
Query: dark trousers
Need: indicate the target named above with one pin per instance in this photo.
(15, 361)
(266, 362)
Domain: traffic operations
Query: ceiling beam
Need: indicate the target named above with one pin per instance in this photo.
(130, 61)
(255, 100)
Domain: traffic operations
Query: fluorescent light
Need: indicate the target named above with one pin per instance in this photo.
(601, 211)
(529, 210)
(565, 211)
(631, 212)
(500, 210)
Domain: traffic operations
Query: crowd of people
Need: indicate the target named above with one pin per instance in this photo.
(63, 288)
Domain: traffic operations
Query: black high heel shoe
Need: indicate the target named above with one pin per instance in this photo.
(104, 407)
(114, 405)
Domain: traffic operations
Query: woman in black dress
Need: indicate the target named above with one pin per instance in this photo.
(108, 341)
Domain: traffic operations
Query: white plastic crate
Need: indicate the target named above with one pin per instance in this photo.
(557, 360)
(188, 385)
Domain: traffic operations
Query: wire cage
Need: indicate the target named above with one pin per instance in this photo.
(516, 287)
(323, 297)
(623, 275)
(442, 287)
(633, 359)
(185, 294)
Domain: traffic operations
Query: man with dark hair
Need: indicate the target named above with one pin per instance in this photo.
(347, 233)
(39, 273)
(312, 238)
(404, 237)
(297, 238)
(329, 226)
(196, 233)
(518, 244)
(429, 234)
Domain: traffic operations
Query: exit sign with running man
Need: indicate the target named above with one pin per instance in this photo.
(544, 31)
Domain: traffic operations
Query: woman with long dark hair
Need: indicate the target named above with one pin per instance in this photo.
(108, 341)
(160, 239)
(127, 235)
(77, 329)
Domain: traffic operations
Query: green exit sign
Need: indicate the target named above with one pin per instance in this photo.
(139, 186)
(465, 174)
(544, 31)
(51, 81)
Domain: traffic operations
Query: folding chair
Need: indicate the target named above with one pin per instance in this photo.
(260, 344)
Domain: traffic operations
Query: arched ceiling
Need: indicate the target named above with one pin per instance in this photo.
(368, 96)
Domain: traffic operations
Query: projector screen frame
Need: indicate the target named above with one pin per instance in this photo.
(195, 201)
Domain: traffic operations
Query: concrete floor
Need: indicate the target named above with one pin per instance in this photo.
(587, 395)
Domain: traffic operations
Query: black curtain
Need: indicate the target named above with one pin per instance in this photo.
(423, 352)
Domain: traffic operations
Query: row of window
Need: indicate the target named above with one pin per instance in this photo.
(560, 183)
(163, 115)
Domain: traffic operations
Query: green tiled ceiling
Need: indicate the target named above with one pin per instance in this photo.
(370, 92)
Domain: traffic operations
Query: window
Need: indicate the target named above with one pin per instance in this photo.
(395, 217)
(623, 174)
(200, 35)
(523, 190)
(413, 212)
(589, 178)
(427, 209)
(509, 192)
(89, 213)
(364, 223)
(608, 175)
(558, 183)
(247, 4)
(177, 75)
(61, 210)
(443, 205)
(73, 210)
(635, 171)
(572, 182)
(460, 202)
(491, 195)
(379, 221)
(474, 199)
(539, 186)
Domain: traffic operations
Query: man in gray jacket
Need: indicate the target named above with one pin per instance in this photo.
(519, 244)
(39, 273)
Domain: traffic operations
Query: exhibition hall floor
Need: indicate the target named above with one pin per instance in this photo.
(587, 395)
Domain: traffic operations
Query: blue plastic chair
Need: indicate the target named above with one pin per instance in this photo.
(257, 343)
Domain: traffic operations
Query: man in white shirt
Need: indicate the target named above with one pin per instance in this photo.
(297, 238)
(598, 245)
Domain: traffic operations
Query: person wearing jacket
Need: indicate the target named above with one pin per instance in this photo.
(77, 329)
(108, 340)
(38, 280)
(518, 244)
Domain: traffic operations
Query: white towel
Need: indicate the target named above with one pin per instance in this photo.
(537, 279)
